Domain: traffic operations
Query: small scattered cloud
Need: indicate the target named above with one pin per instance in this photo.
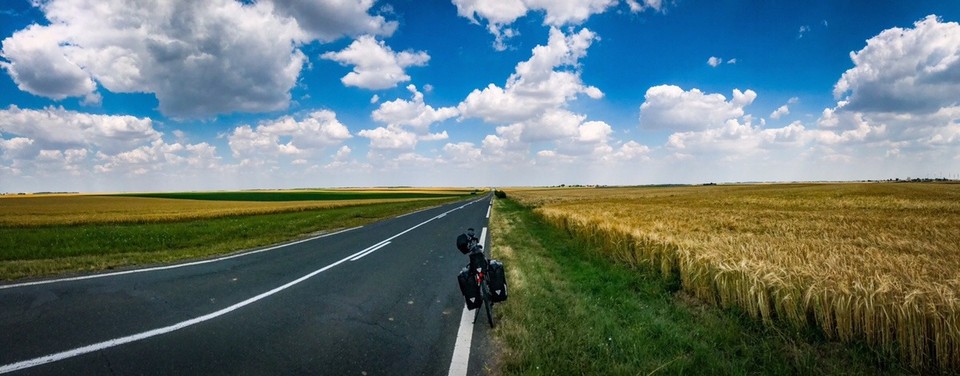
(779, 112)
(714, 61)
(640, 6)
(784, 109)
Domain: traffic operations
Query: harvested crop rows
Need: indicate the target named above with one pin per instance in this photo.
(871, 262)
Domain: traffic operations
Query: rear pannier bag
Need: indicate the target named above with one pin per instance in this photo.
(469, 289)
(497, 281)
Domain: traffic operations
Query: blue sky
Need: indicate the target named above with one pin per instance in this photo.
(224, 94)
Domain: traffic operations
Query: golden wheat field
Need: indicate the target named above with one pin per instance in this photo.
(876, 262)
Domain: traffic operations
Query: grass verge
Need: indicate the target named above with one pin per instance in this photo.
(51, 250)
(573, 311)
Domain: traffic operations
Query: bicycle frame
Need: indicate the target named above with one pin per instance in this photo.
(481, 278)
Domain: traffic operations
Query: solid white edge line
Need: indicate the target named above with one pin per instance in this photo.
(461, 349)
(92, 276)
(183, 324)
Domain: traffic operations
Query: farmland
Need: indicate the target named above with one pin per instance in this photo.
(59, 210)
(871, 263)
(53, 234)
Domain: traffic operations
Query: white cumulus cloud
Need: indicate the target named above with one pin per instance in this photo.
(199, 58)
(376, 65)
(390, 138)
(632, 150)
(463, 153)
(72, 148)
(288, 136)
(670, 107)
(912, 70)
(327, 20)
(413, 113)
(536, 85)
(38, 66)
(407, 123)
(159, 156)
(501, 13)
(55, 128)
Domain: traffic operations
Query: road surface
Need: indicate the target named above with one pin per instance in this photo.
(376, 300)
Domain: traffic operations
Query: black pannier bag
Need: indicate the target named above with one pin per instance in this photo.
(463, 243)
(497, 281)
(469, 289)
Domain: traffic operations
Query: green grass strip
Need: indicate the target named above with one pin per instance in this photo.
(574, 312)
(44, 251)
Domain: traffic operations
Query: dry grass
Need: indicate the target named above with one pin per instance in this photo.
(873, 262)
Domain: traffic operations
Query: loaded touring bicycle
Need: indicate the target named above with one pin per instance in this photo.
(483, 281)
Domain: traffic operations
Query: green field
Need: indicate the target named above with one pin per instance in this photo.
(50, 235)
(306, 195)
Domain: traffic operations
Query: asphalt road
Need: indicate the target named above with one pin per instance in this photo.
(304, 308)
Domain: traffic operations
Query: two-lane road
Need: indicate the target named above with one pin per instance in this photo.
(381, 299)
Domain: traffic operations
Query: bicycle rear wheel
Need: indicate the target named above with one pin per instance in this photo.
(485, 295)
